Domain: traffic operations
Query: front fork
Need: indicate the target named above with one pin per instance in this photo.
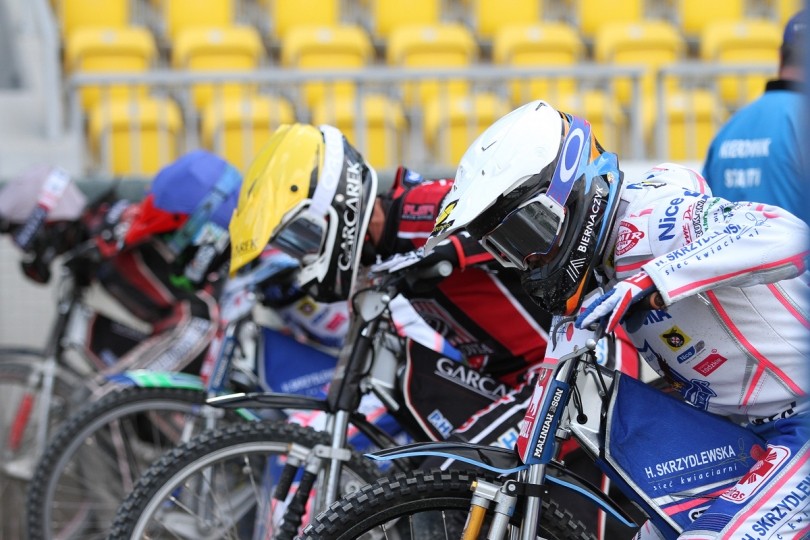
(503, 500)
(313, 461)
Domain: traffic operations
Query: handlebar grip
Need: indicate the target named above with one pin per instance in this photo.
(438, 270)
(634, 318)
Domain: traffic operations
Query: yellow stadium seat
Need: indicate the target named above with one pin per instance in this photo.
(692, 120)
(387, 15)
(489, 16)
(234, 48)
(743, 42)
(237, 128)
(109, 50)
(135, 137)
(694, 15)
(288, 14)
(382, 122)
(451, 126)
(552, 44)
(326, 48)
(651, 44)
(75, 14)
(603, 112)
(438, 46)
(591, 15)
(179, 15)
(785, 9)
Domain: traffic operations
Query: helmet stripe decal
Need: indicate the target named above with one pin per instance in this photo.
(575, 150)
(332, 169)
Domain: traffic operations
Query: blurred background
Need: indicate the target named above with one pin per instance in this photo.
(115, 89)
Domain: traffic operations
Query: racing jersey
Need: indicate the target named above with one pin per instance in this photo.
(481, 308)
(733, 337)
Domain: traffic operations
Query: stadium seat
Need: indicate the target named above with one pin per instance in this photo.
(692, 119)
(489, 16)
(237, 128)
(603, 112)
(651, 44)
(326, 48)
(179, 15)
(694, 16)
(387, 15)
(592, 15)
(287, 14)
(73, 14)
(552, 44)
(135, 137)
(785, 9)
(234, 48)
(450, 126)
(382, 122)
(109, 50)
(438, 46)
(743, 42)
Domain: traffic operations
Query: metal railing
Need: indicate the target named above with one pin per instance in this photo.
(635, 140)
(712, 81)
(290, 85)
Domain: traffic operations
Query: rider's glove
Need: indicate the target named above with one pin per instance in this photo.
(612, 307)
(397, 262)
(417, 258)
(416, 283)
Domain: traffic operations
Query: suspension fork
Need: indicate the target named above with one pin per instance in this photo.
(504, 497)
(339, 430)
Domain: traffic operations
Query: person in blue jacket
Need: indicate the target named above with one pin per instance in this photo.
(758, 154)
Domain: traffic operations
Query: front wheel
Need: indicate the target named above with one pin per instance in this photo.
(94, 460)
(221, 485)
(420, 505)
(22, 411)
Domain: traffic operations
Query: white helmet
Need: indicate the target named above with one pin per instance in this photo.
(540, 194)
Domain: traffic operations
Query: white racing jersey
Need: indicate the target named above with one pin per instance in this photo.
(734, 337)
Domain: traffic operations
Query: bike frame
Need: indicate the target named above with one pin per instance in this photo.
(580, 398)
(369, 364)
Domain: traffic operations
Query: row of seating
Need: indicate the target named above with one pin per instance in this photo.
(139, 135)
(652, 44)
(381, 17)
(233, 118)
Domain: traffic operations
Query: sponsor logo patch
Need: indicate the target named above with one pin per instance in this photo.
(767, 466)
(707, 366)
(629, 236)
(691, 352)
(675, 338)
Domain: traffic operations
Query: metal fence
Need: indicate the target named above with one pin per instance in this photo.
(638, 128)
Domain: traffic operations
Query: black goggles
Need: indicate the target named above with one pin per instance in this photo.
(532, 229)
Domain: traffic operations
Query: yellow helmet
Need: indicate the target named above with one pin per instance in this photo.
(310, 194)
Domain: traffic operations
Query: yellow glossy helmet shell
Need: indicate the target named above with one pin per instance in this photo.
(282, 175)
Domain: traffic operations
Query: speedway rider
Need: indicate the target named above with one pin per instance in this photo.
(312, 195)
(723, 286)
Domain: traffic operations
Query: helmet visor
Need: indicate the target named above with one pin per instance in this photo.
(302, 237)
(532, 229)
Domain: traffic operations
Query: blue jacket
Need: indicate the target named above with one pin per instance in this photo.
(757, 155)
